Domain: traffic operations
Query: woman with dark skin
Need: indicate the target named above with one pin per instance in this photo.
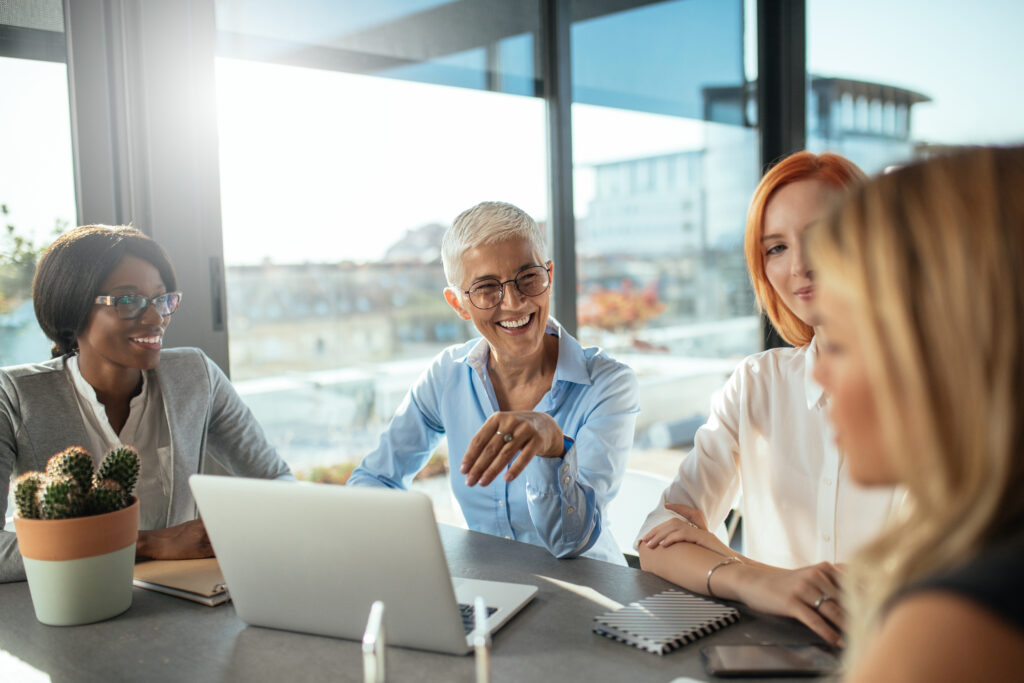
(105, 297)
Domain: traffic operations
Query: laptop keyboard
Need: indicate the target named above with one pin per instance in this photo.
(469, 615)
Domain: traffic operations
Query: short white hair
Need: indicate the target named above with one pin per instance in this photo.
(487, 223)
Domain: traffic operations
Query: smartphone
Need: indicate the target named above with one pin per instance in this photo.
(769, 660)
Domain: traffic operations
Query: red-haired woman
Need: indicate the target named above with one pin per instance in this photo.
(768, 438)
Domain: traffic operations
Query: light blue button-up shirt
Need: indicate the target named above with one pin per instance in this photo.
(557, 503)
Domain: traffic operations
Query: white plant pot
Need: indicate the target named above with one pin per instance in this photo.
(80, 570)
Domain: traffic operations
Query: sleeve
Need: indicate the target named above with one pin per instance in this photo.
(11, 566)
(410, 438)
(234, 438)
(709, 476)
(567, 496)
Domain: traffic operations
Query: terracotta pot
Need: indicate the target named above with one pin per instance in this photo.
(80, 570)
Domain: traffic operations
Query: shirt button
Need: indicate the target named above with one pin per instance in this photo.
(571, 510)
(566, 480)
(826, 537)
(565, 468)
(828, 482)
(508, 538)
(500, 503)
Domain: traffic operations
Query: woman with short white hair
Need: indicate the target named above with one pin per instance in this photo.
(538, 426)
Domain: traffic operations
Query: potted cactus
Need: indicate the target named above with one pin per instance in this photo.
(76, 532)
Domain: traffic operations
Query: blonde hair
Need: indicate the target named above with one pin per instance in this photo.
(830, 168)
(931, 260)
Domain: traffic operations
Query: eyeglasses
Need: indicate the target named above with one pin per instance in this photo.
(532, 281)
(131, 306)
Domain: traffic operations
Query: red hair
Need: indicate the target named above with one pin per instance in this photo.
(830, 168)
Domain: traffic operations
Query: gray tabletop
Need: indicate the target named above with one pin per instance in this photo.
(162, 638)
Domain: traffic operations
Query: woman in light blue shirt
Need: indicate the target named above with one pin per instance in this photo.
(538, 427)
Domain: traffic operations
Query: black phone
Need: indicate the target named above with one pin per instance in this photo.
(769, 660)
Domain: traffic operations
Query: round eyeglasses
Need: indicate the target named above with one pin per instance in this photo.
(532, 281)
(131, 306)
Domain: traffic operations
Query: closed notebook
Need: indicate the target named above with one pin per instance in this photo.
(663, 622)
(197, 580)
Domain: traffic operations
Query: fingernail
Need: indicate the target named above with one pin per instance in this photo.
(470, 480)
(463, 468)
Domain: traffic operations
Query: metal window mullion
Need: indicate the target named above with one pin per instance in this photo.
(555, 30)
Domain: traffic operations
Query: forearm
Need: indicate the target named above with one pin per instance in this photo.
(687, 565)
(563, 509)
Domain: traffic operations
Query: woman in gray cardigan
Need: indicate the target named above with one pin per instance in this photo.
(105, 296)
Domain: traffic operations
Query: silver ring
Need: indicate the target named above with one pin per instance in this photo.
(504, 435)
(825, 597)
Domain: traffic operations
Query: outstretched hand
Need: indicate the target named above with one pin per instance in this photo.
(186, 541)
(502, 436)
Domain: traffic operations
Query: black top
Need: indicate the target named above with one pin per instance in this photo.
(992, 580)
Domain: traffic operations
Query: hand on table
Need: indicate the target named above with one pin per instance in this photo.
(503, 435)
(810, 594)
(186, 541)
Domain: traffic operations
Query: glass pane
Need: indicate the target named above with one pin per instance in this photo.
(37, 194)
(484, 45)
(665, 162)
(335, 189)
(934, 76)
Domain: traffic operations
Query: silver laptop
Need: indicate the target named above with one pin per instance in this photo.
(314, 557)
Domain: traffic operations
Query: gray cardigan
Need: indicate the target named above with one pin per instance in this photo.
(39, 416)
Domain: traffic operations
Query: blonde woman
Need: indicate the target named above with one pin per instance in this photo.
(921, 304)
(768, 437)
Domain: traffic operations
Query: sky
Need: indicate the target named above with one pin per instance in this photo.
(345, 164)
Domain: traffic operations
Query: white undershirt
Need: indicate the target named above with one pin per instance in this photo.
(146, 430)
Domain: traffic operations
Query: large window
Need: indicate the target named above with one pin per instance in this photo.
(341, 165)
(665, 161)
(37, 194)
(931, 77)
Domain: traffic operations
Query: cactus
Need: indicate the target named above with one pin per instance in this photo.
(106, 495)
(59, 497)
(71, 489)
(121, 465)
(25, 488)
(75, 462)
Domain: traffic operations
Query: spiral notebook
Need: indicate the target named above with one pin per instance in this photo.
(663, 622)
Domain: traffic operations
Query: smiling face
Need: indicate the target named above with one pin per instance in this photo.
(515, 327)
(842, 371)
(111, 342)
(787, 216)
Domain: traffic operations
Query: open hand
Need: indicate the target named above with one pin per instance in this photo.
(502, 436)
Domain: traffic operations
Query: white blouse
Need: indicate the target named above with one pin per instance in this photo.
(146, 430)
(768, 437)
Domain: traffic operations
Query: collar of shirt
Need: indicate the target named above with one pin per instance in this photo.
(97, 412)
(571, 366)
(815, 393)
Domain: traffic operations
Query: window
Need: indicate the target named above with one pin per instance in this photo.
(37, 194)
(341, 165)
(659, 91)
(930, 79)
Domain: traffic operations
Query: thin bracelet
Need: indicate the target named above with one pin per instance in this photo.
(728, 560)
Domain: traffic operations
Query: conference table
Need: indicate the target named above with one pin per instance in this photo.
(163, 638)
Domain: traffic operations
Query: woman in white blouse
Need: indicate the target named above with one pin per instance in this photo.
(768, 438)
